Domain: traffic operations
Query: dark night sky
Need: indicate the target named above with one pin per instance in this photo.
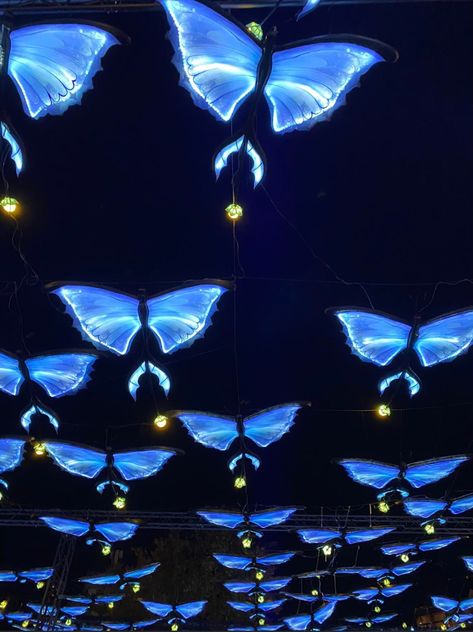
(121, 191)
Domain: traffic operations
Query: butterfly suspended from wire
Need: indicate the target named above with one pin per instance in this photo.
(378, 594)
(378, 338)
(258, 586)
(93, 600)
(259, 563)
(172, 320)
(57, 374)
(316, 596)
(435, 511)
(468, 561)
(223, 65)
(104, 533)
(125, 579)
(400, 478)
(380, 573)
(51, 66)
(252, 628)
(336, 538)
(452, 606)
(36, 575)
(11, 455)
(372, 620)
(175, 614)
(405, 549)
(313, 620)
(16, 617)
(121, 625)
(117, 467)
(219, 431)
(255, 610)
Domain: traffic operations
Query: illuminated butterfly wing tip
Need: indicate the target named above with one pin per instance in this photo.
(16, 151)
(413, 382)
(309, 6)
(163, 378)
(26, 417)
(252, 458)
(253, 150)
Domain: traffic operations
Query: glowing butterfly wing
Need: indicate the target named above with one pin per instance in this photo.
(11, 454)
(370, 473)
(425, 472)
(443, 339)
(139, 625)
(466, 604)
(239, 587)
(217, 61)
(468, 563)
(309, 6)
(100, 580)
(271, 517)
(144, 571)
(108, 598)
(213, 431)
(241, 606)
(318, 536)
(108, 319)
(115, 625)
(77, 599)
(365, 594)
(226, 519)
(138, 464)
(75, 459)
(462, 504)
(324, 612)
(8, 576)
(382, 618)
(444, 603)
(424, 507)
(19, 616)
(393, 591)
(61, 374)
(437, 544)
(27, 417)
(179, 318)
(373, 337)
(75, 611)
(37, 574)
(277, 583)
(162, 377)
(271, 424)
(398, 548)
(52, 65)
(159, 609)
(117, 531)
(275, 558)
(407, 569)
(271, 605)
(191, 609)
(413, 383)
(11, 377)
(357, 620)
(366, 535)
(66, 525)
(298, 622)
(236, 562)
(302, 597)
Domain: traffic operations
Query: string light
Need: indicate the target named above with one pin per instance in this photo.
(9, 204)
(404, 625)
(386, 582)
(39, 449)
(255, 29)
(429, 528)
(327, 550)
(110, 605)
(314, 592)
(39, 585)
(383, 411)
(260, 598)
(68, 621)
(261, 621)
(25, 624)
(405, 558)
(383, 506)
(247, 542)
(136, 587)
(377, 609)
(234, 212)
(368, 624)
(175, 627)
(119, 502)
(239, 482)
(3, 604)
(259, 575)
(106, 549)
(160, 421)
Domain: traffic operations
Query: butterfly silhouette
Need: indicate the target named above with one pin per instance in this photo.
(379, 338)
(412, 548)
(428, 507)
(451, 606)
(257, 562)
(223, 65)
(177, 613)
(380, 618)
(323, 597)
(378, 594)
(136, 625)
(103, 533)
(111, 320)
(379, 573)
(313, 620)
(252, 588)
(93, 599)
(51, 67)
(127, 578)
(338, 537)
(35, 575)
(219, 431)
(125, 465)
(256, 609)
(416, 475)
(57, 374)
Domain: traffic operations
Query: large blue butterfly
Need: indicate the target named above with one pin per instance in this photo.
(11, 455)
(338, 537)
(219, 431)
(412, 548)
(268, 585)
(246, 563)
(136, 625)
(176, 613)
(378, 594)
(51, 66)
(448, 605)
(89, 462)
(222, 65)
(379, 573)
(378, 338)
(127, 578)
(428, 507)
(418, 474)
(111, 320)
(36, 575)
(248, 523)
(246, 606)
(313, 620)
(58, 374)
(102, 532)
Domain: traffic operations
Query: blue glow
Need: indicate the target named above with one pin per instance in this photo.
(221, 159)
(138, 464)
(213, 431)
(366, 535)
(309, 6)
(398, 548)
(77, 599)
(65, 525)
(11, 377)
(120, 485)
(371, 473)
(163, 379)
(77, 460)
(247, 563)
(303, 597)
(424, 507)
(8, 576)
(159, 609)
(318, 536)
(116, 531)
(264, 586)
(366, 594)
(252, 458)
(52, 65)
(412, 380)
(190, 609)
(445, 603)
(324, 612)
(262, 519)
(111, 531)
(444, 338)
(61, 374)
(100, 580)
(16, 153)
(11, 454)
(115, 625)
(37, 574)
(468, 563)
(227, 519)
(425, 472)
(437, 543)
(75, 611)
(27, 417)
(406, 569)
(263, 628)
(270, 424)
(108, 598)
(19, 616)
(217, 61)
(144, 571)
(462, 504)
(373, 337)
(393, 591)
(298, 622)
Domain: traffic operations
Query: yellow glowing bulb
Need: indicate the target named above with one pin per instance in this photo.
(110, 605)
(405, 557)
(160, 421)
(39, 449)
(234, 212)
(119, 502)
(259, 575)
(261, 621)
(463, 625)
(314, 592)
(247, 542)
(25, 624)
(377, 609)
(39, 585)
(383, 507)
(368, 624)
(136, 587)
(383, 410)
(3, 604)
(68, 621)
(260, 599)
(404, 625)
(106, 549)
(239, 482)
(175, 627)
(386, 582)
(327, 550)
(9, 204)
(1, 496)
(255, 29)
(443, 626)
(429, 528)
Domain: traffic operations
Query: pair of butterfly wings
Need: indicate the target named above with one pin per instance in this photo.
(367, 594)
(379, 338)
(111, 320)
(34, 575)
(127, 577)
(136, 625)
(261, 519)
(303, 621)
(382, 618)
(447, 605)
(218, 62)
(374, 572)
(243, 563)
(88, 601)
(110, 531)
(219, 432)
(418, 474)
(427, 507)
(88, 462)
(355, 536)
(246, 606)
(183, 610)
(268, 585)
(398, 548)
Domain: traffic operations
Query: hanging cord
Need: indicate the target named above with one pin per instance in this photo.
(319, 259)
(271, 12)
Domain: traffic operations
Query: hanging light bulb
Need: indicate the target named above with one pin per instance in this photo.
(234, 212)
(9, 204)
(119, 502)
(386, 582)
(368, 624)
(404, 625)
(260, 598)
(3, 604)
(383, 506)
(39, 585)
(110, 605)
(39, 448)
(463, 625)
(377, 609)
(106, 549)
(429, 528)
(327, 550)
(68, 621)
(255, 29)
(25, 624)
(259, 575)
(383, 411)
(443, 626)
(175, 627)
(239, 482)
(136, 587)
(247, 542)
(160, 421)
(314, 592)
(1, 496)
(405, 557)
(261, 621)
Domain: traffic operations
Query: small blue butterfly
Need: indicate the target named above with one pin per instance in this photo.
(34, 575)
(379, 573)
(412, 548)
(93, 599)
(451, 605)
(104, 533)
(248, 523)
(313, 620)
(252, 588)
(377, 595)
(177, 613)
(379, 338)
(338, 537)
(127, 578)
(135, 625)
(322, 597)
(256, 609)
(428, 507)
(381, 618)
(257, 562)
(223, 65)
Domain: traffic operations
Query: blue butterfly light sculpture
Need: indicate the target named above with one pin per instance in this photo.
(384, 575)
(258, 586)
(318, 596)
(36, 575)
(103, 533)
(51, 67)
(175, 614)
(111, 320)
(121, 466)
(435, 511)
(16, 617)
(11, 455)
(311, 621)
(379, 338)
(335, 538)
(259, 563)
(256, 610)
(452, 606)
(222, 64)
(93, 600)
(377, 595)
(255, 627)
(372, 620)
(125, 579)
(468, 561)
(394, 481)
(220, 431)
(122, 625)
(405, 549)
(57, 374)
